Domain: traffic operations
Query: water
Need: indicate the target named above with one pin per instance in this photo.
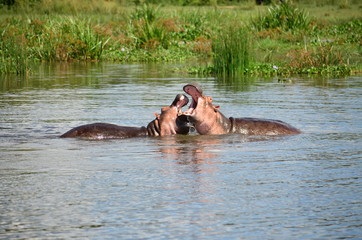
(306, 186)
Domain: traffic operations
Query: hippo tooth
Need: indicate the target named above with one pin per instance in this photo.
(189, 111)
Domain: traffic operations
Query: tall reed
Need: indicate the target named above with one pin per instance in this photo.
(231, 51)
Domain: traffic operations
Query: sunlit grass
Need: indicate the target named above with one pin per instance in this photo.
(284, 16)
(113, 31)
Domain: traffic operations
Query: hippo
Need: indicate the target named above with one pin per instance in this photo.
(207, 119)
(169, 122)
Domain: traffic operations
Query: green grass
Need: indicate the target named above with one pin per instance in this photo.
(275, 39)
(14, 54)
(284, 16)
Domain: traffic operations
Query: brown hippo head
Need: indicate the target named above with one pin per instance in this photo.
(205, 116)
(207, 119)
(170, 122)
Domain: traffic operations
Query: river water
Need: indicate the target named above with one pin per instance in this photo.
(306, 186)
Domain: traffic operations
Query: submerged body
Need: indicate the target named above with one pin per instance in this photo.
(257, 126)
(166, 123)
(105, 131)
(207, 119)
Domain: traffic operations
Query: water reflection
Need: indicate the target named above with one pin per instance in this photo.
(75, 75)
(188, 149)
(199, 151)
(240, 83)
(94, 75)
(250, 83)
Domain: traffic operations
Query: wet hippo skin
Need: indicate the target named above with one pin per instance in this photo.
(207, 119)
(167, 123)
(105, 131)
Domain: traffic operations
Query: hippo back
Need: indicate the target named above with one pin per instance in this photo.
(105, 131)
(264, 127)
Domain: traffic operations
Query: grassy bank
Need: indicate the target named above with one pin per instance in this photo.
(272, 39)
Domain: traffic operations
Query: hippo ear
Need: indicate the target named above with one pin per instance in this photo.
(157, 115)
(209, 99)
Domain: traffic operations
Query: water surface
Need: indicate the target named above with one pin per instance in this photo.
(178, 187)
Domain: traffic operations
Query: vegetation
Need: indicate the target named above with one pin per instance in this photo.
(231, 52)
(282, 16)
(280, 38)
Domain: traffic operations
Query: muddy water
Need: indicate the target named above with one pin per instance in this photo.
(180, 187)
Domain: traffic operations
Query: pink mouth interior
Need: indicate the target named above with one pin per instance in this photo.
(180, 101)
(195, 94)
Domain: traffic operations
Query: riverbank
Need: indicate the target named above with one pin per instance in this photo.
(304, 39)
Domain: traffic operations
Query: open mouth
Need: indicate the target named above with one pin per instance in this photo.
(180, 101)
(195, 91)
